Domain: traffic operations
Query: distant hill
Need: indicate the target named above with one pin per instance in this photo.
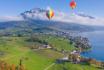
(35, 21)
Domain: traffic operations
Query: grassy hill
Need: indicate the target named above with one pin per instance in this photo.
(15, 48)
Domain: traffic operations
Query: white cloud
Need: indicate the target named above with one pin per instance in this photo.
(10, 18)
(59, 16)
(74, 18)
(48, 8)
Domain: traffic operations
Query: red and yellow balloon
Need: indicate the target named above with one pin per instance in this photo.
(50, 14)
(73, 4)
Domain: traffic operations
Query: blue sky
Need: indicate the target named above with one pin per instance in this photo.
(15, 7)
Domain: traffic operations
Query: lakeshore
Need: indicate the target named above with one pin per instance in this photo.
(97, 42)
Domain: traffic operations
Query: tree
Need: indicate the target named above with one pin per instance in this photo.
(92, 61)
(70, 57)
(21, 67)
(7, 66)
(13, 67)
(98, 64)
(2, 66)
(102, 65)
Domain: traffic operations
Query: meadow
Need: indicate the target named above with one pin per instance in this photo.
(12, 49)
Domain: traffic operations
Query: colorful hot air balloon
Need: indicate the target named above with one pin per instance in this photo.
(72, 4)
(49, 14)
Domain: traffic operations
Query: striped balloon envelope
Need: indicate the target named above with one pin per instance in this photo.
(50, 14)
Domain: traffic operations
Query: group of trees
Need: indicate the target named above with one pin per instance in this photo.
(76, 59)
(96, 63)
(36, 41)
(82, 42)
(37, 38)
(7, 66)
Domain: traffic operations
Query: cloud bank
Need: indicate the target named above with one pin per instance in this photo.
(75, 18)
(80, 18)
(10, 18)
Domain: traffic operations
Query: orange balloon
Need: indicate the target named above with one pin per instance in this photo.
(72, 4)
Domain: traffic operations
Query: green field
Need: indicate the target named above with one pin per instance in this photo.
(70, 66)
(16, 48)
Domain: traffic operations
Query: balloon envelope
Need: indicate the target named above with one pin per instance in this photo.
(49, 14)
(73, 4)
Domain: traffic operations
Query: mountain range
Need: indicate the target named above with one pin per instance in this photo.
(35, 20)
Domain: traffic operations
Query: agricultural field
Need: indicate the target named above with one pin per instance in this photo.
(12, 49)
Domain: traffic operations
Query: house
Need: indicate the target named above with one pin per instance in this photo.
(65, 58)
(45, 47)
(62, 60)
(74, 56)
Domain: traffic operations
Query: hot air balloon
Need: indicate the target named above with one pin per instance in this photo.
(49, 14)
(72, 4)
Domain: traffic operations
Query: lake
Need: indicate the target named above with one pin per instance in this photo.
(97, 41)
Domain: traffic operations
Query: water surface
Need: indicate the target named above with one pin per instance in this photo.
(97, 41)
